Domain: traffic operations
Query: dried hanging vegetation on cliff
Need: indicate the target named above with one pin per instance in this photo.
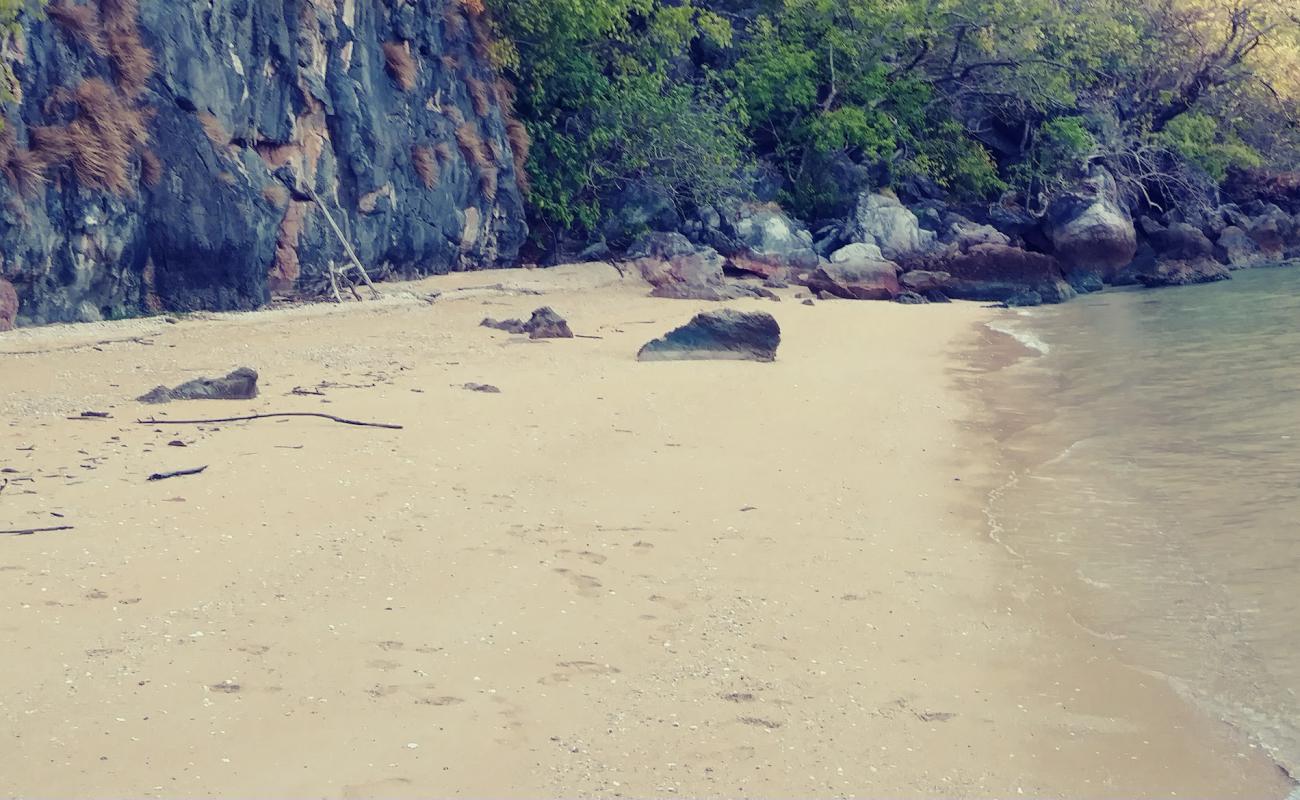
(110, 127)
(426, 165)
(401, 65)
(99, 143)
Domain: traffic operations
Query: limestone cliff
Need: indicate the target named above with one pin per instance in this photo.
(162, 154)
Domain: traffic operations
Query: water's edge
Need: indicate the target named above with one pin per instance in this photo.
(1025, 400)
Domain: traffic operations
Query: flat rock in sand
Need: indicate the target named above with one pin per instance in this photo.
(718, 335)
(238, 385)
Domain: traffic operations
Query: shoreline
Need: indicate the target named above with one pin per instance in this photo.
(1010, 406)
(612, 579)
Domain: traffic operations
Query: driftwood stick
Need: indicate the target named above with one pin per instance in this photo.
(30, 531)
(330, 417)
(162, 476)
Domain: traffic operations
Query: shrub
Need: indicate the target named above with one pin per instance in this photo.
(81, 22)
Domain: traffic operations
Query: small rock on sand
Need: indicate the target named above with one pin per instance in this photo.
(238, 385)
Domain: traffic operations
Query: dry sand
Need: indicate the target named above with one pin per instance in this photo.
(701, 579)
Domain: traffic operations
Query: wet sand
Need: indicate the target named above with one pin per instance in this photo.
(610, 579)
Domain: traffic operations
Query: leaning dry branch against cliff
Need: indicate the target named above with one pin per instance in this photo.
(401, 65)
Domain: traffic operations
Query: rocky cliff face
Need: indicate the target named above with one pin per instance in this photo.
(162, 155)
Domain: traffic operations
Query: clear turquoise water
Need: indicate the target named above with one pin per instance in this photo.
(1157, 453)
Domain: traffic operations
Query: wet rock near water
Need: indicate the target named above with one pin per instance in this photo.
(238, 385)
(1183, 273)
(1091, 231)
(998, 272)
(726, 334)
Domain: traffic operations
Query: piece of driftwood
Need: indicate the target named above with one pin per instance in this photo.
(330, 417)
(180, 473)
(30, 531)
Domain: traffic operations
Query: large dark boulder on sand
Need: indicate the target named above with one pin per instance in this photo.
(718, 335)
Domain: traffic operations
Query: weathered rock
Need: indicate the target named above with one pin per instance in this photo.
(858, 251)
(885, 222)
(507, 325)
(8, 306)
(543, 324)
(1238, 250)
(725, 334)
(485, 388)
(857, 279)
(1272, 232)
(965, 234)
(1182, 273)
(385, 110)
(638, 208)
(546, 324)
(1091, 231)
(679, 270)
(998, 272)
(238, 385)
(909, 298)
(922, 280)
(763, 240)
(1181, 241)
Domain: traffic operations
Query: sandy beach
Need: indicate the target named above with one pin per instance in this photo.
(610, 579)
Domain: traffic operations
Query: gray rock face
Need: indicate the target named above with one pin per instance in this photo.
(718, 335)
(857, 251)
(761, 238)
(1091, 231)
(386, 110)
(885, 222)
(923, 281)
(238, 385)
(1181, 241)
(1272, 232)
(1239, 250)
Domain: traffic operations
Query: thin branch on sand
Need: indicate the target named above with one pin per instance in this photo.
(330, 417)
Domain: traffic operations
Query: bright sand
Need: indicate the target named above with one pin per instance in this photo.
(612, 578)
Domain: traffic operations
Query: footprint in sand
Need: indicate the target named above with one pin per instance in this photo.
(383, 664)
(388, 646)
(379, 788)
(255, 649)
(585, 555)
(569, 670)
(588, 585)
(445, 700)
(759, 722)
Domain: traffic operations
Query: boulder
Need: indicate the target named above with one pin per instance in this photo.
(762, 239)
(726, 334)
(885, 222)
(238, 385)
(546, 324)
(679, 270)
(862, 278)
(965, 234)
(1272, 232)
(8, 306)
(543, 324)
(638, 208)
(1091, 232)
(1023, 228)
(1238, 250)
(1175, 272)
(910, 299)
(999, 272)
(857, 252)
(923, 280)
(1180, 241)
